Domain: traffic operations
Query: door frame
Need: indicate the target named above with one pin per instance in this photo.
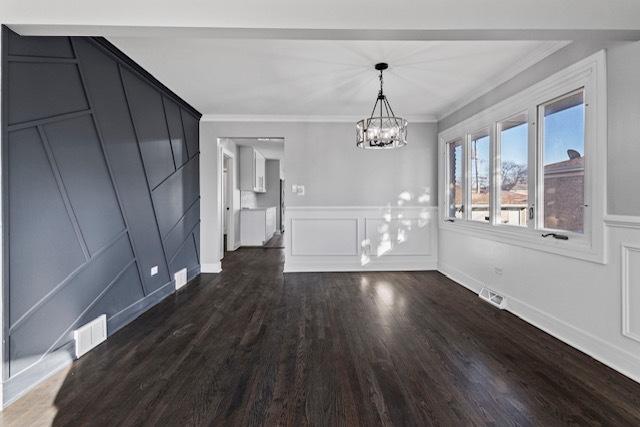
(229, 196)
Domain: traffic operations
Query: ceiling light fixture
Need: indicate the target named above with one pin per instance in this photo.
(384, 130)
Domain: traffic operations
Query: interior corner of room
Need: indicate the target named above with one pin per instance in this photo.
(411, 218)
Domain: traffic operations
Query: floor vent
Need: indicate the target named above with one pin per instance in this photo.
(493, 298)
(90, 335)
(180, 278)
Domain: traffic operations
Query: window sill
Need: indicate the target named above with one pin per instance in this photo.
(573, 248)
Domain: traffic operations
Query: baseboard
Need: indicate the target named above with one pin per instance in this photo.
(20, 384)
(216, 267)
(129, 314)
(53, 362)
(616, 358)
(320, 265)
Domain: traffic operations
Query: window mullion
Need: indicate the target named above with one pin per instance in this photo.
(532, 168)
(494, 180)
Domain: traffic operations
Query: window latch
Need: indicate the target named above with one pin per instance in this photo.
(531, 212)
(556, 236)
(449, 220)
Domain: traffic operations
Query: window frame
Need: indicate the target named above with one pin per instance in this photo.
(463, 187)
(470, 137)
(539, 210)
(588, 75)
(531, 172)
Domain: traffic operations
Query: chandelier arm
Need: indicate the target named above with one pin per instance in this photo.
(392, 113)
(381, 102)
(387, 110)
(373, 111)
(393, 116)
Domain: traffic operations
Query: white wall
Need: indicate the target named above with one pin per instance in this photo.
(323, 157)
(586, 304)
(623, 69)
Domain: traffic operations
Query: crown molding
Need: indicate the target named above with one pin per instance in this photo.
(302, 118)
(535, 56)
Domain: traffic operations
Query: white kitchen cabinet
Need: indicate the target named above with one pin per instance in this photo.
(252, 170)
(257, 226)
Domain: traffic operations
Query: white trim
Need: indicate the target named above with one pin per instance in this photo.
(619, 359)
(626, 221)
(231, 236)
(211, 268)
(5, 339)
(626, 281)
(505, 75)
(589, 73)
(524, 237)
(359, 208)
(335, 265)
(303, 118)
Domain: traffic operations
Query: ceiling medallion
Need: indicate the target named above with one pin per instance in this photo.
(383, 130)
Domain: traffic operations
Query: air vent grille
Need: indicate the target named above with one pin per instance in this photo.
(493, 298)
(90, 335)
(180, 277)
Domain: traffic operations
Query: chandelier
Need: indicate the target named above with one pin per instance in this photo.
(383, 130)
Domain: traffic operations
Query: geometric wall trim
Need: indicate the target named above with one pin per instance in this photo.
(101, 173)
(630, 275)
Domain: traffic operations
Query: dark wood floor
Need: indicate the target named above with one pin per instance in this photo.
(276, 242)
(252, 346)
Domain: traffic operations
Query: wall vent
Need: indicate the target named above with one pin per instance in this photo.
(90, 335)
(493, 298)
(180, 277)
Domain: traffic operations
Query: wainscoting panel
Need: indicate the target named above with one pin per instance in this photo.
(360, 238)
(398, 237)
(329, 236)
(631, 291)
(101, 174)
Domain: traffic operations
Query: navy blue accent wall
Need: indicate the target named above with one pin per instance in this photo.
(101, 184)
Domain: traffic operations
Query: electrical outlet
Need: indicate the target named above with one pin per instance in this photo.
(154, 270)
(497, 270)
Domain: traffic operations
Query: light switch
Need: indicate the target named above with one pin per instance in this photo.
(154, 270)
(300, 190)
(294, 188)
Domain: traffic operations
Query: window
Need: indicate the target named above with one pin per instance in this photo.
(563, 153)
(480, 146)
(455, 188)
(513, 137)
(531, 170)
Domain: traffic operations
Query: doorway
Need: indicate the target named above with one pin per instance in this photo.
(228, 180)
(226, 161)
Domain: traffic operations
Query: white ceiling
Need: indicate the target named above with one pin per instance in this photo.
(329, 78)
(271, 149)
(327, 14)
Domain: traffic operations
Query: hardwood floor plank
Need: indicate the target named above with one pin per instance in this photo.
(254, 346)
